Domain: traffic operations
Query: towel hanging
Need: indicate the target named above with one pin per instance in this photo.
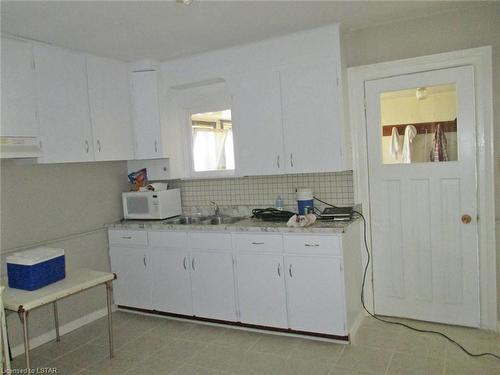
(395, 145)
(410, 134)
(439, 145)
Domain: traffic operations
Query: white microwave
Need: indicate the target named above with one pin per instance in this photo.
(151, 205)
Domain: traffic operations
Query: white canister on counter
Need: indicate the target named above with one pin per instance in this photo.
(304, 199)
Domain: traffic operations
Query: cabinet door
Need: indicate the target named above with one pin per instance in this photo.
(171, 281)
(311, 118)
(146, 115)
(63, 105)
(133, 286)
(18, 90)
(315, 294)
(213, 285)
(261, 290)
(257, 124)
(109, 96)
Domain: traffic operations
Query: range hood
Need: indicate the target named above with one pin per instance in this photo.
(19, 147)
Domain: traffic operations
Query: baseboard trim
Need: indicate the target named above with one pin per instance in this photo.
(63, 329)
(357, 323)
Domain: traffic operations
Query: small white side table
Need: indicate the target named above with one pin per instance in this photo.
(76, 281)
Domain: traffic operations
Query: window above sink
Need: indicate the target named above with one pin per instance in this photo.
(212, 141)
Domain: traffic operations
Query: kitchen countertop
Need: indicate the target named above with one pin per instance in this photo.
(245, 225)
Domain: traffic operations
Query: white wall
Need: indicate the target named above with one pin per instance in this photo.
(43, 202)
(425, 36)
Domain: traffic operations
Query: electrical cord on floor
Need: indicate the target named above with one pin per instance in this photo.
(399, 323)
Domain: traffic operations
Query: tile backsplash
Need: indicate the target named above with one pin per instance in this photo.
(261, 191)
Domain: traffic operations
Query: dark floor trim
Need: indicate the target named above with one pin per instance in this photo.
(237, 324)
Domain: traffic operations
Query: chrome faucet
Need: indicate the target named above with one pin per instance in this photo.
(217, 210)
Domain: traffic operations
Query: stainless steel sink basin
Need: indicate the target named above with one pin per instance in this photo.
(218, 220)
(203, 220)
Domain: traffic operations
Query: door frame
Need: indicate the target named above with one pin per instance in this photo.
(481, 59)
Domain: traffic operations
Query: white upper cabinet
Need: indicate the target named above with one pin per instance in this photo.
(146, 115)
(312, 122)
(110, 108)
(63, 103)
(257, 124)
(18, 90)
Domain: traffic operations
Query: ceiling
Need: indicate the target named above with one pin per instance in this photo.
(131, 30)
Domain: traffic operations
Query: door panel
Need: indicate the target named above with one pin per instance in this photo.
(212, 281)
(171, 281)
(257, 124)
(146, 115)
(132, 286)
(63, 105)
(18, 90)
(261, 290)
(315, 291)
(425, 260)
(109, 96)
(311, 118)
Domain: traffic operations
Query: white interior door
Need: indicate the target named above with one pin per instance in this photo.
(425, 252)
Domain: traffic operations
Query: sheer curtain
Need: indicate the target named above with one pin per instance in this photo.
(213, 149)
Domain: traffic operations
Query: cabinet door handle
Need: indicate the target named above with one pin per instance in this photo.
(192, 264)
(291, 159)
(278, 161)
(98, 146)
(279, 269)
(257, 243)
(184, 263)
(290, 271)
(311, 244)
(144, 260)
(156, 146)
(87, 147)
(127, 237)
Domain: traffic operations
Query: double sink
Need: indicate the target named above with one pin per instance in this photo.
(203, 220)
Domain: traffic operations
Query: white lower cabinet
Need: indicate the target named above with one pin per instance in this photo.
(261, 289)
(132, 286)
(212, 284)
(301, 282)
(171, 284)
(314, 286)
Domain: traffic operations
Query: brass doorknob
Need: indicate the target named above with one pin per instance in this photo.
(466, 219)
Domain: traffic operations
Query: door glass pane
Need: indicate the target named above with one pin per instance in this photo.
(212, 134)
(419, 125)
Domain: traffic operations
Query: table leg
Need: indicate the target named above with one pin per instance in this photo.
(56, 321)
(109, 295)
(23, 315)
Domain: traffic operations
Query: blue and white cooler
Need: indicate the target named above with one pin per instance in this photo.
(35, 268)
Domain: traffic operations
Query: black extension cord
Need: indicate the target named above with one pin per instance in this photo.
(398, 323)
